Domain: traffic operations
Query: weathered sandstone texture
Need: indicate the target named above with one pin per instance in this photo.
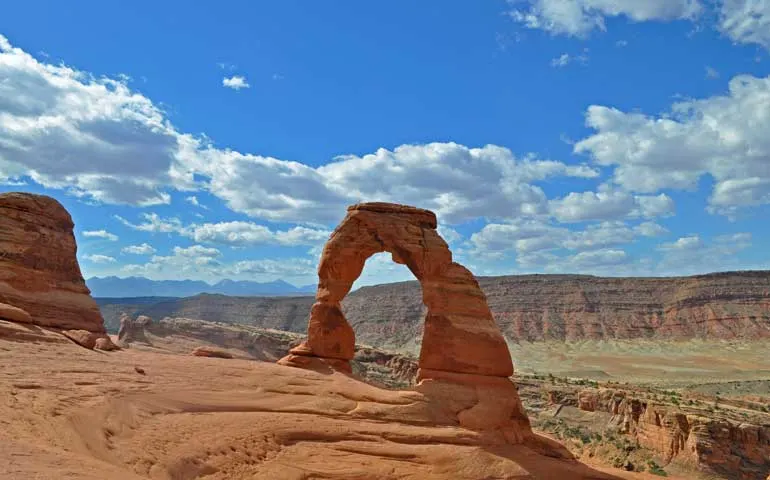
(464, 360)
(39, 271)
(13, 314)
(459, 334)
(710, 442)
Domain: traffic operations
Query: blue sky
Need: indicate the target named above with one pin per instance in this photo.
(223, 140)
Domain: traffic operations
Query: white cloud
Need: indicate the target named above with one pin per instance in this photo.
(196, 251)
(609, 204)
(536, 241)
(565, 59)
(120, 148)
(193, 200)
(595, 258)
(723, 136)
(449, 234)
(600, 235)
(101, 234)
(143, 249)
(203, 263)
(11, 182)
(235, 233)
(746, 21)
(683, 244)
(100, 258)
(711, 72)
(248, 233)
(294, 267)
(236, 82)
(691, 254)
(154, 223)
(92, 136)
(650, 229)
(521, 235)
(580, 17)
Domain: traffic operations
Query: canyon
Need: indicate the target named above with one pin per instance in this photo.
(172, 397)
(527, 308)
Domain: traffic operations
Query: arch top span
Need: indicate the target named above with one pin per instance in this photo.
(460, 335)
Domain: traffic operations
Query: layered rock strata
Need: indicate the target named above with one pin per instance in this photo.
(39, 271)
(713, 443)
(462, 346)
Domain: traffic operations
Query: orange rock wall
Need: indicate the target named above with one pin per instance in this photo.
(39, 271)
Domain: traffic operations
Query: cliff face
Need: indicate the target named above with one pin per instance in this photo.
(527, 308)
(574, 307)
(39, 271)
(281, 313)
(718, 443)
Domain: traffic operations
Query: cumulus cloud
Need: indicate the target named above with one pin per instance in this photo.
(609, 204)
(724, 136)
(205, 263)
(101, 234)
(247, 233)
(96, 138)
(143, 249)
(92, 136)
(538, 243)
(235, 233)
(580, 17)
(650, 229)
(746, 21)
(692, 254)
(236, 82)
(154, 223)
(95, 258)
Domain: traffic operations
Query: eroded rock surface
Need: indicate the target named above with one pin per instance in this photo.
(464, 360)
(727, 441)
(459, 333)
(39, 271)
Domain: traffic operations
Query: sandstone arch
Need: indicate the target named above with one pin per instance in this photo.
(460, 335)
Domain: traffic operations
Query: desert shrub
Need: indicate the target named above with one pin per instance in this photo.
(656, 469)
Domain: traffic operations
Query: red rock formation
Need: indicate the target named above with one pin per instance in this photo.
(13, 314)
(464, 361)
(459, 334)
(686, 435)
(39, 271)
(206, 351)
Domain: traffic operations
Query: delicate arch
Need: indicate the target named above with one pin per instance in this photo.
(460, 334)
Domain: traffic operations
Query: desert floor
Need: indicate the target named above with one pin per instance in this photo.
(71, 413)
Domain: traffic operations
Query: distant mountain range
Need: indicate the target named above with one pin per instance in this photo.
(115, 287)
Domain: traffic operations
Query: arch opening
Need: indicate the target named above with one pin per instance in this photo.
(459, 333)
(398, 326)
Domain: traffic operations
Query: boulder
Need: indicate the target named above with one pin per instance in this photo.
(39, 271)
(205, 351)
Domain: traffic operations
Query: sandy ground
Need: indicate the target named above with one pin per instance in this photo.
(71, 413)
